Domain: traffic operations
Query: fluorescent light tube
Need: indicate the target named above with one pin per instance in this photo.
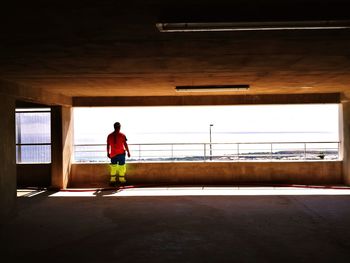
(212, 88)
(254, 26)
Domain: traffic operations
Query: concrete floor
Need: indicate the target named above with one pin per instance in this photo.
(237, 228)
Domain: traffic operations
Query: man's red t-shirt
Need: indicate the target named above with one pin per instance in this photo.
(116, 142)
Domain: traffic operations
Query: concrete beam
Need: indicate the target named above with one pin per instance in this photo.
(21, 92)
(207, 100)
(8, 158)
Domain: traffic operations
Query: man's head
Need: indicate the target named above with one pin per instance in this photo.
(117, 126)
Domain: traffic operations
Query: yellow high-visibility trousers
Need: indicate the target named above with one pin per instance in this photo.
(113, 172)
(117, 169)
(122, 172)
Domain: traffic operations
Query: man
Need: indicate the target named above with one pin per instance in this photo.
(116, 146)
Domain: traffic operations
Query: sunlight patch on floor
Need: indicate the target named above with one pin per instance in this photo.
(201, 191)
(29, 192)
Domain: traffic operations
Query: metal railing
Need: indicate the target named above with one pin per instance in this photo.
(248, 151)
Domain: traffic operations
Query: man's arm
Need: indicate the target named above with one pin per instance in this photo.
(127, 148)
(108, 154)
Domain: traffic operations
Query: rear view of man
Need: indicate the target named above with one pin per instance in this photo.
(116, 146)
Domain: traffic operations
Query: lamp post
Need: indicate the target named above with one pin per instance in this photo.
(211, 152)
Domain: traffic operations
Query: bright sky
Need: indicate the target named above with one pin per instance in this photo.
(263, 123)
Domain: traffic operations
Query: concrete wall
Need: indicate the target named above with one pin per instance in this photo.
(7, 157)
(345, 139)
(62, 145)
(319, 173)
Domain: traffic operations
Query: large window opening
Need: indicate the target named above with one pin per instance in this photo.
(212, 133)
(33, 135)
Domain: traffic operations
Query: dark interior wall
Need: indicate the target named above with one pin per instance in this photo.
(8, 158)
(33, 175)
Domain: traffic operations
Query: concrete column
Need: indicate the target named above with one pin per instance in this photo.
(344, 127)
(62, 145)
(8, 158)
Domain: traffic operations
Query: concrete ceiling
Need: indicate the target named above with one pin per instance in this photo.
(112, 48)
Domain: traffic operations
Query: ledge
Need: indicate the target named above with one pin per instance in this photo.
(319, 173)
